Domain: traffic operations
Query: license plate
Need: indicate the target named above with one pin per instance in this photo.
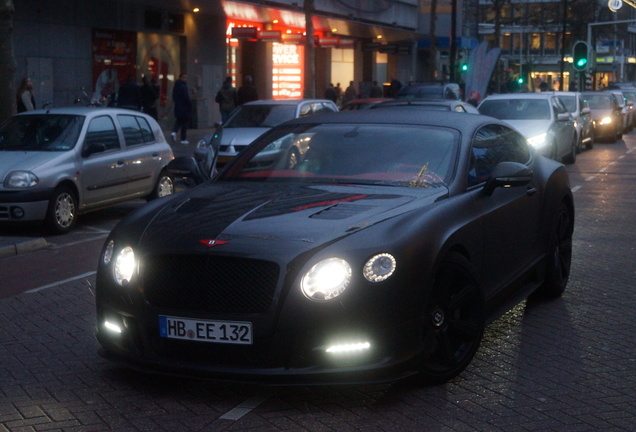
(230, 332)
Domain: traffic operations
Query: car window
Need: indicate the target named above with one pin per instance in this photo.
(40, 132)
(136, 129)
(324, 108)
(260, 116)
(569, 102)
(600, 101)
(305, 110)
(516, 109)
(491, 145)
(101, 132)
(406, 155)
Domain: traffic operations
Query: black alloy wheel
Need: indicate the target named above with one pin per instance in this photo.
(453, 320)
(559, 257)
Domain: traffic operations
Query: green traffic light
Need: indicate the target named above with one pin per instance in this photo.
(581, 62)
(464, 67)
(520, 80)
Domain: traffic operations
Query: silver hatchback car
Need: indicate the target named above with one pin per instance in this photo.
(58, 163)
(251, 120)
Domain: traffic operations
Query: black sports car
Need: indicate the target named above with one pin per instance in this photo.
(381, 254)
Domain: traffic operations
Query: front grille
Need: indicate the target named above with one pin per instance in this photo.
(201, 283)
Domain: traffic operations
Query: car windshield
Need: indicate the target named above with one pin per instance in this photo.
(599, 101)
(40, 132)
(260, 116)
(388, 154)
(516, 109)
(569, 102)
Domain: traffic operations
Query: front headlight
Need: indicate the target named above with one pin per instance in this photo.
(326, 280)
(21, 179)
(379, 268)
(538, 141)
(606, 120)
(124, 266)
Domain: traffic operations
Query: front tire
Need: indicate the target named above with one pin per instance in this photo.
(559, 258)
(454, 321)
(61, 215)
(163, 187)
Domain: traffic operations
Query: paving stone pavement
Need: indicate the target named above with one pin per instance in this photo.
(562, 365)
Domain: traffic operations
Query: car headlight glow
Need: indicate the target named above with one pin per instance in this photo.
(327, 279)
(606, 120)
(21, 179)
(108, 252)
(538, 141)
(124, 266)
(379, 268)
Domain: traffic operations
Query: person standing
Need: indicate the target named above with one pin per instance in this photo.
(247, 92)
(331, 93)
(227, 99)
(149, 96)
(350, 93)
(376, 90)
(129, 95)
(25, 101)
(182, 108)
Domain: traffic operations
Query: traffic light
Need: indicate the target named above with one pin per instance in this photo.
(580, 56)
(464, 67)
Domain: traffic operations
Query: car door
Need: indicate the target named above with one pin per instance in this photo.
(563, 129)
(140, 153)
(507, 218)
(103, 176)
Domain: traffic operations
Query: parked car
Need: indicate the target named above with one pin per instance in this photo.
(430, 104)
(358, 104)
(381, 255)
(250, 120)
(541, 117)
(582, 116)
(59, 163)
(430, 90)
(626, 109)
(607, 117)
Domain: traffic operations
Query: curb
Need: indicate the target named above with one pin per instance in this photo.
(22, 247)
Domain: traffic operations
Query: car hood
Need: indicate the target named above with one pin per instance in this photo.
(241, 136)
(530, 128)
(256, 218)
(600, 113)
(25, 160)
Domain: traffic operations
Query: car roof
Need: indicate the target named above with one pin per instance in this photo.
(535, 95)
(84, 111)
(402, 115)
(286, 101)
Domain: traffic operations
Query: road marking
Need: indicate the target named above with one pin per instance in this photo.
(575, 188)
(54, 284)
(245, 407)
(590, 178)
(78, 242)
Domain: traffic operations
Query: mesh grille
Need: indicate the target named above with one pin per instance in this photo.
(210, 284)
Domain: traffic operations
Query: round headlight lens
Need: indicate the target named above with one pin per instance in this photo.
(21, 179)
(108, 252)
(327, 279)
(125, 265)
(379, 268)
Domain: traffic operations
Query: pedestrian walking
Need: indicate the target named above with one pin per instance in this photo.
(149, 96)
(129, 95)
(182, 108)
(331, 93)
(25, 101)
(227, 99)
(376, 90)
(350, 93)
(247, 92)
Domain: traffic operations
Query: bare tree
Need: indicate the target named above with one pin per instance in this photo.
(7, 60)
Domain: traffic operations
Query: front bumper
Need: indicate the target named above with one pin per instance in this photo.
(24, 206)
(282, 357)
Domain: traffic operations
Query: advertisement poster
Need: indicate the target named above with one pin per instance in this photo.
(114, 56)
(158, 58)
(287, 74)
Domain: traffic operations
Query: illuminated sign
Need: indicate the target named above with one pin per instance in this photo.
(287, 72)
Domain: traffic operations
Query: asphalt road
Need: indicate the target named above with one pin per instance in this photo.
(562, 365)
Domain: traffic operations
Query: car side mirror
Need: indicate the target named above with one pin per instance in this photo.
(563, 116)
(508, 174)
(586, 111)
